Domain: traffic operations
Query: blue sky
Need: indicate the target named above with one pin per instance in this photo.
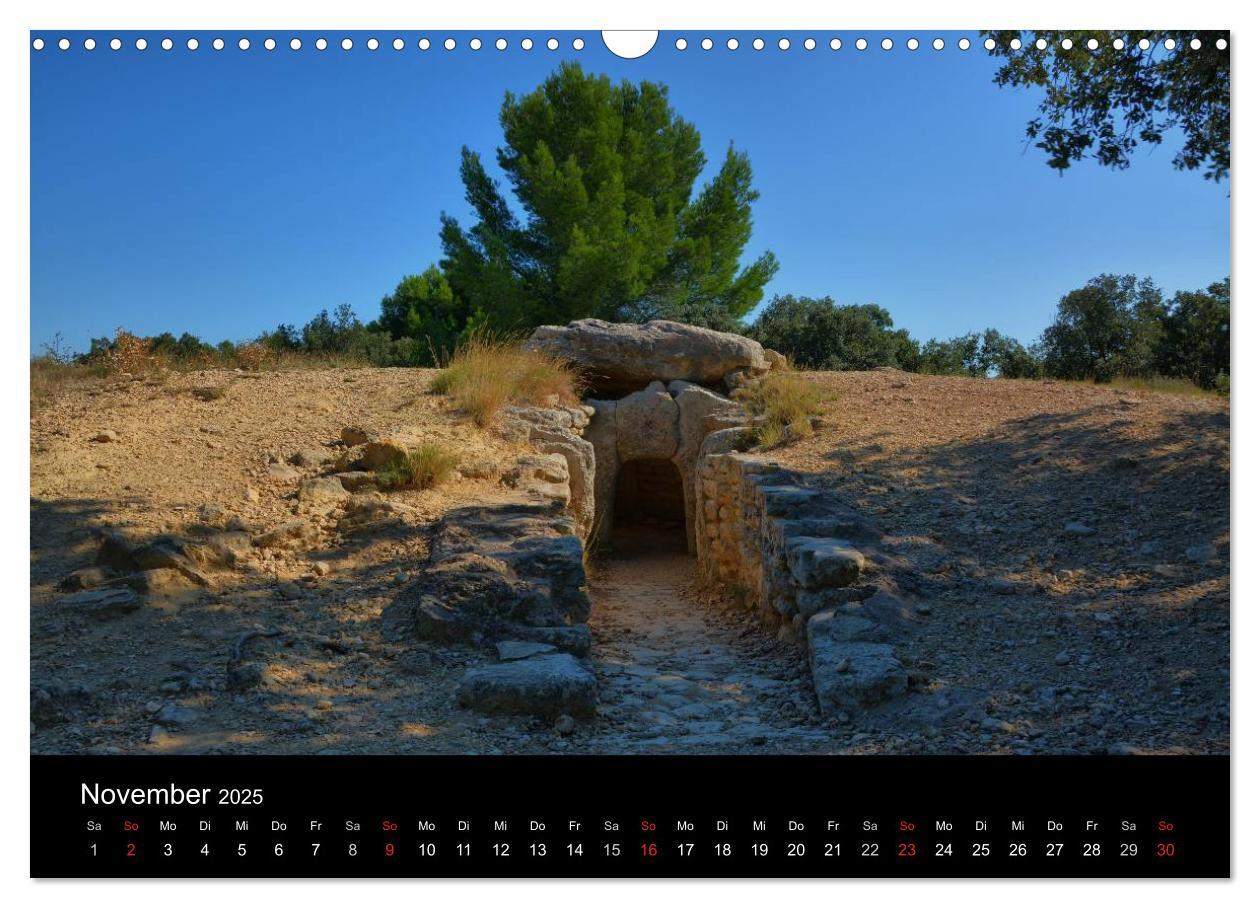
(225, 192)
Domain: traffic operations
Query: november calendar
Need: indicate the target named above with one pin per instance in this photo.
(528, 453)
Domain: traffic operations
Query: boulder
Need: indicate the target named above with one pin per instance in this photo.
(618, 358)
(574, 638)
(647, 425)
(549, 685)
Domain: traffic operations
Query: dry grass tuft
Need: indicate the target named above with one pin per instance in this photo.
(487, 374)
(426, 467)
(784, 404)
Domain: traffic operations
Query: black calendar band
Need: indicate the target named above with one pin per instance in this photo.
(608, 816)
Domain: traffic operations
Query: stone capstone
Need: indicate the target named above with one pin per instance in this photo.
(619, 358)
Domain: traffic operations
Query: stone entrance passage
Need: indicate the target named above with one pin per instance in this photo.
(650, 491)
(650, 512)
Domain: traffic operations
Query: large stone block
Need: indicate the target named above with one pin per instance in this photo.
(546, 685)
(852, 675)
(817, 563)
(601, 432)
(617, 358)
(647, 425)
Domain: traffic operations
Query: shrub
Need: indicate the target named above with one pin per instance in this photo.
(252, 356)
(427, 466)
(487, 373)
(783, 404)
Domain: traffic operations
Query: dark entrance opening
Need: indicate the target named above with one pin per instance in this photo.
(649, 512)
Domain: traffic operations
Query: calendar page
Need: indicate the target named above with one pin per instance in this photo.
(526, 453)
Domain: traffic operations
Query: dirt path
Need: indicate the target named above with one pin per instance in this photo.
(681, 671)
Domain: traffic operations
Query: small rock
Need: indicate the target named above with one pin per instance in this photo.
(1076, 528)
(287, 534)
(107, 436)
(310, 457)
(479, 469)
(321, 568)
(250, 494)
(281, 472)
(244, 675)
(355, 435)
(1062, 658)
(356, 480)
(211, 514)
(565, 724)
(83, 579)
(171, 714)
(323, 490)
(843, 664)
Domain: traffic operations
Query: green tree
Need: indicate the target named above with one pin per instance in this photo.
(818, 334)
(1105, 102)
(1195, 340)
(425, 309)
(1006, 357)
(954, 356)
(331, 334)
(603, 175)
(1094, 330)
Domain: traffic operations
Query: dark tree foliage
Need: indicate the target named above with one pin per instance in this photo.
(1097, 327)
(284, 339)
(1195, 339)
(990, 353)
(1103, 103)
(603, 176)
(424, 309)
(818, 334)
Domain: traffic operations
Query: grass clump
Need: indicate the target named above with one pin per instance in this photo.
(783, 404)
(426, 467)
(487, 374)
